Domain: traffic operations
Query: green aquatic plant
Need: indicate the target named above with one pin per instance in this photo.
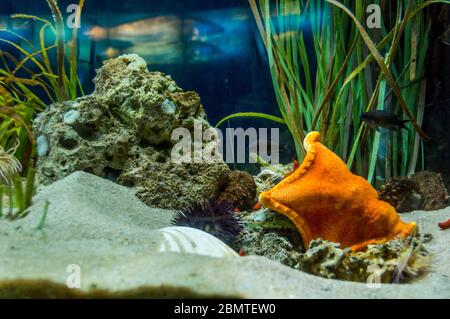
(9, 165)
(15, 125)
(11, 184)
(19, 193)
(29, 83)
(43, 218)
(358, 69)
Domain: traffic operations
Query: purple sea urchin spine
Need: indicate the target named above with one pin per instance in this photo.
(214, 217)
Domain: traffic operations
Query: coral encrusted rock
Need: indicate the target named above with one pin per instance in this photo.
(269, 234)
(240, 190)
(175, 186)
(123, 132)
(398, 260)
(424, 191)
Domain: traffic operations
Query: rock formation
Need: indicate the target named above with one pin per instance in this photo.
(123, 132)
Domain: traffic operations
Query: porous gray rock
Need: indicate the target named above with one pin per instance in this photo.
(176, 186)
(123, 132)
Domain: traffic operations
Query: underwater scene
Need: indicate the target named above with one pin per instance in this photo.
(251, 149)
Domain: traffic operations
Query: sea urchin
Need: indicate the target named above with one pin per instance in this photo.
(214, 217)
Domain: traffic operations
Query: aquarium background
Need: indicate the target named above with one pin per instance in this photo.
(211, 47)
(94, 197)
(218, 53)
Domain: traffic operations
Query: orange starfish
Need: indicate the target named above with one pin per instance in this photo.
(325, 200)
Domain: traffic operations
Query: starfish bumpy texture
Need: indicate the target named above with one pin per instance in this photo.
(325, 200)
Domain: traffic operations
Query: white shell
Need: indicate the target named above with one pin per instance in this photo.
(193, 241)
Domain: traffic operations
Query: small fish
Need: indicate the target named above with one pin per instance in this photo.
(376, 119)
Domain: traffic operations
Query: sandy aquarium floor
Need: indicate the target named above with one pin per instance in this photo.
(100, 229)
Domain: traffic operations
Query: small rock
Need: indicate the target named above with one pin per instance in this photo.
(259, 216)
(424, 190)
(240, 190)
(412, 202)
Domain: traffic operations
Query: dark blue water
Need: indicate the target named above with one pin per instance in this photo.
(218, 54)
(211, 47)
